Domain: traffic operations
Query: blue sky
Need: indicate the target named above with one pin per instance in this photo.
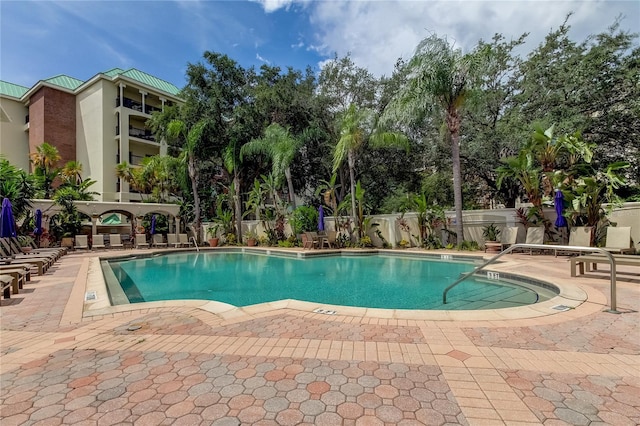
(81, 38)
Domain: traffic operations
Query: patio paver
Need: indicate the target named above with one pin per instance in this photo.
(179, 363)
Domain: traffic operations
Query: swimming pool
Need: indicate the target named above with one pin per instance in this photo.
(373, 281)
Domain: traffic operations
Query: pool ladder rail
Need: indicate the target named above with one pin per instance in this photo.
(509, 249)
(196, 244)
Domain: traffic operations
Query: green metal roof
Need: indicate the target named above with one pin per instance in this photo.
(65, 81)
(70, 83)
(113, 72)
(150, 80)
(13, 90)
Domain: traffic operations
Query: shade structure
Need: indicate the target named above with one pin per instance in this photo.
(153, 224)
(561, 222)
(320, 219)
(38, 229)
(7, 222)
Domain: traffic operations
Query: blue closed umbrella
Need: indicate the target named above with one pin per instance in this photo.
(561, 222)
(7, 223)
(320, 219)
(153, 224)
(38, 229)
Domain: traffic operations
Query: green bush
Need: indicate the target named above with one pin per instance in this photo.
(304, 219)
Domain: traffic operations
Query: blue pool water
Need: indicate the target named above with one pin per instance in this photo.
(375, 281)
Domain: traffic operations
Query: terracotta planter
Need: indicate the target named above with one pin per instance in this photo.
(251, 242)
(213, 242)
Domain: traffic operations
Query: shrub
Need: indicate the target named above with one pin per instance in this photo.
(304, 219)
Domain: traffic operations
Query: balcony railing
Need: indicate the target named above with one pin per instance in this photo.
(136, 106)
(145, 134)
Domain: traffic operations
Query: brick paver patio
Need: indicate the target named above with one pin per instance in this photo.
(178, 363)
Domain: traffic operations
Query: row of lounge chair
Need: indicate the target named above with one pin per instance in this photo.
(17, 263)
(140, 241)
(618, 239)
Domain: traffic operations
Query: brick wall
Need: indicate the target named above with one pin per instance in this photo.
(52, 119)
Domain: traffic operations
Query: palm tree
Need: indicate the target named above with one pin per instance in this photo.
(44, 162)
(192, 137)
(72, 172)
(356, 128)
(281, 148)
(438, 75)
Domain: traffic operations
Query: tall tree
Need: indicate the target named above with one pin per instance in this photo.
(192, 138)
(281, 148)
(357, 127)
(439, 82)
(45, 160)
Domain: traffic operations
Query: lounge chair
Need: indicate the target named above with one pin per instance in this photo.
(157, 240)
(141, 241)
(18, 278)
(535, 235)
(97, 242)
(591, 260)
(41, 263)
(115, 241)
(619, 240)
(12, 252)
(184, 240)
(23, 270)
(82, 242)
(172, 240)
(6, 284)
(579, 236)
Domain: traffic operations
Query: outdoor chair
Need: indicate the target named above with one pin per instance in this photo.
(619, 240)
(508, 237)
(157, 240)
(115, 241)
(579, 236)
(329, 238)
(141, 241)
(535, 235)
(11, 249)
(97, 242)
(184, 240)
(82, 242)
(307, 241)
(172, 240)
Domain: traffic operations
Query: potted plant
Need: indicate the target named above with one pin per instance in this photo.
(25, 243)
(212, 232)
(491, 233)
(251, 237)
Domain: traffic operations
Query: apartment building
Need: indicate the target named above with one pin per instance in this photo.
(99, 123)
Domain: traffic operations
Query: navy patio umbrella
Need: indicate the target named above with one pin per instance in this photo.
(7, 222)
(320, 219)
(558, 200)
(153, 224)
(38, 229)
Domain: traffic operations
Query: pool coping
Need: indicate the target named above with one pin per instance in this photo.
(571, 297)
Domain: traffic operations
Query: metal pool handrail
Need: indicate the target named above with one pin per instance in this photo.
(196, 244)
(509, 249)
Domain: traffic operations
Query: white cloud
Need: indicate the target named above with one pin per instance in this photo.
(273, 5)
(261, 59)
(377, 33)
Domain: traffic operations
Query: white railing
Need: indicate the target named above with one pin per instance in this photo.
(612, 261)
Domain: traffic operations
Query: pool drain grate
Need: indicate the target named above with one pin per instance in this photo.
(561, 308)
(324, 311)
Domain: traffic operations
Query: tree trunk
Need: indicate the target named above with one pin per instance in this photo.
(453, 123)
(352, 178)
(193, 174)
(238, 206)
(292, 195)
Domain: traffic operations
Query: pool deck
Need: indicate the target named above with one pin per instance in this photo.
(67, 361)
